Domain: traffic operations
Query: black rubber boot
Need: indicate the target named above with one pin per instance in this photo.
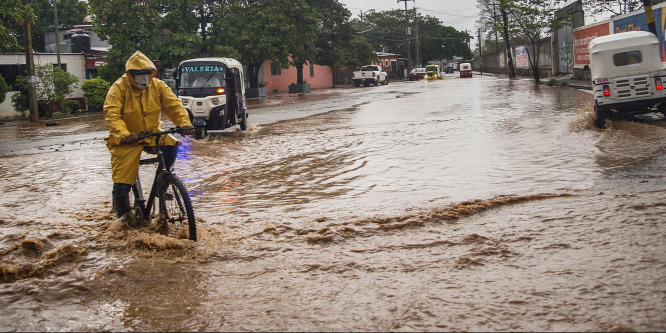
(121, 205)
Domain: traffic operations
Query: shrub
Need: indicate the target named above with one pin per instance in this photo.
(20, 101)
(94, 90)
(551, 82)
(70, 106)
(110, 73)
(4, 89)
(562, 83)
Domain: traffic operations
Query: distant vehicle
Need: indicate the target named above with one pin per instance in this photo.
(432, 72)
(465, 69)
(371, 74)
(451, 67)
(627, 75)
(213, 92)
(417, 74)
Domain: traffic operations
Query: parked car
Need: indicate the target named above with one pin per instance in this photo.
(417, 74)
(627, 75)
(465, 69)
(372, 74)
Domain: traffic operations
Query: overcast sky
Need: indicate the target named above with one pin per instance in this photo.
(460, 14)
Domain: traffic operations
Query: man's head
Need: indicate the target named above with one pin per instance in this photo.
(141, 69)
(141, 76)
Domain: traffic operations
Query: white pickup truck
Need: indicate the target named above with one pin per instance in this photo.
(627, 76)
(371, 74)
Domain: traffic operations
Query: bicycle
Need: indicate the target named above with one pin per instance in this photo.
(168, 195)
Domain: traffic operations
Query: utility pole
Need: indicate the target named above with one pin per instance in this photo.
(32, 91)
(57, 32)
(409, 52)
(480, 52)
(649, 16)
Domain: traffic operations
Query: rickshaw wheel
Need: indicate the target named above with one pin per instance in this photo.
(200, 133)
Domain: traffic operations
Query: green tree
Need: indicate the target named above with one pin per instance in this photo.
(94, 91)
(359, 53)
(13, 15)
(335, 33)
(385, 30)
(52, 84)
(178, 27)
(128, 25)
(4, 89)
(534, 20)
(495, 17)
(70, 13)
(614, 8)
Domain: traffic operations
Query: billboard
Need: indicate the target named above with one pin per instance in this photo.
(638, 22)
(522, 60)
(581, 40)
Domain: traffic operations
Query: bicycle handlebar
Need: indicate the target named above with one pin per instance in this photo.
(151, 134)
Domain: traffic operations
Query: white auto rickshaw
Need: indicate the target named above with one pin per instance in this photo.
(627, 75)
(213, 92)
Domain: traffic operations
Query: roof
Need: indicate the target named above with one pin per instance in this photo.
(622, 40)
(229, 62)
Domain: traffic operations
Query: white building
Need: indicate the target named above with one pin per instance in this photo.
(14, 64)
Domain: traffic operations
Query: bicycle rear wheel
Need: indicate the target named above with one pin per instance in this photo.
(177, 215)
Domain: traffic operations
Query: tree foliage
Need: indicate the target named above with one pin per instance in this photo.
(94, 91)
(13, 15)
(4, 89)
(128, 25)
(52, 86)
(615, 7)
(386, 31)
(532, 21)
(70, 13)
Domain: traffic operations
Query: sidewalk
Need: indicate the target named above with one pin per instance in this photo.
(579, 84)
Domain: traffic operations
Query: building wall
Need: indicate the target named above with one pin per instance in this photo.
(497, 62)
(75, 64)
(322, 78)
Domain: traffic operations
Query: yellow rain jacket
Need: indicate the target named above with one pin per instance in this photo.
(129, 109)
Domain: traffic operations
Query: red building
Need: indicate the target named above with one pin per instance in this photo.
(278, 79)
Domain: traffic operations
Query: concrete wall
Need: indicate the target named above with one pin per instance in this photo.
(76, 64)
(497, 62)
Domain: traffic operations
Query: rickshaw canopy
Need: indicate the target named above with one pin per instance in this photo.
(608, 53)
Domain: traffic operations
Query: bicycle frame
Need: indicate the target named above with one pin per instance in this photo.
(146, 208)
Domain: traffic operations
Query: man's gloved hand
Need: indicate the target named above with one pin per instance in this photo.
(130, 139)
(187, 130)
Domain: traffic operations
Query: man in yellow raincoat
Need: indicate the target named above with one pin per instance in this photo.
(134, 104)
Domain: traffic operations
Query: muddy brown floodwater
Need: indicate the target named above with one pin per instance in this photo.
(458, 205)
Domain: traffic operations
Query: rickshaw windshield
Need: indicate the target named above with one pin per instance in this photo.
(202, 76)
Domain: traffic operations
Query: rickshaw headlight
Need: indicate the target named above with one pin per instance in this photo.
(185, 102)
(215, 101)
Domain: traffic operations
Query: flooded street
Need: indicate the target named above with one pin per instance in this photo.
(476, 204)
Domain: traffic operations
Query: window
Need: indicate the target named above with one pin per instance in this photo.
(276, 69)
(311, 69)
(627, 58)
(10, 72)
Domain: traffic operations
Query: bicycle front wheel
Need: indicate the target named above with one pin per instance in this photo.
(177, 216)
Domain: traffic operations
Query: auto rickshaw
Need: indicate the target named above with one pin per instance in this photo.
(432, 72)
(466, 70)
(213, 92)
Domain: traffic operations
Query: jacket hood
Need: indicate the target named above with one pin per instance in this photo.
(139, 61)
